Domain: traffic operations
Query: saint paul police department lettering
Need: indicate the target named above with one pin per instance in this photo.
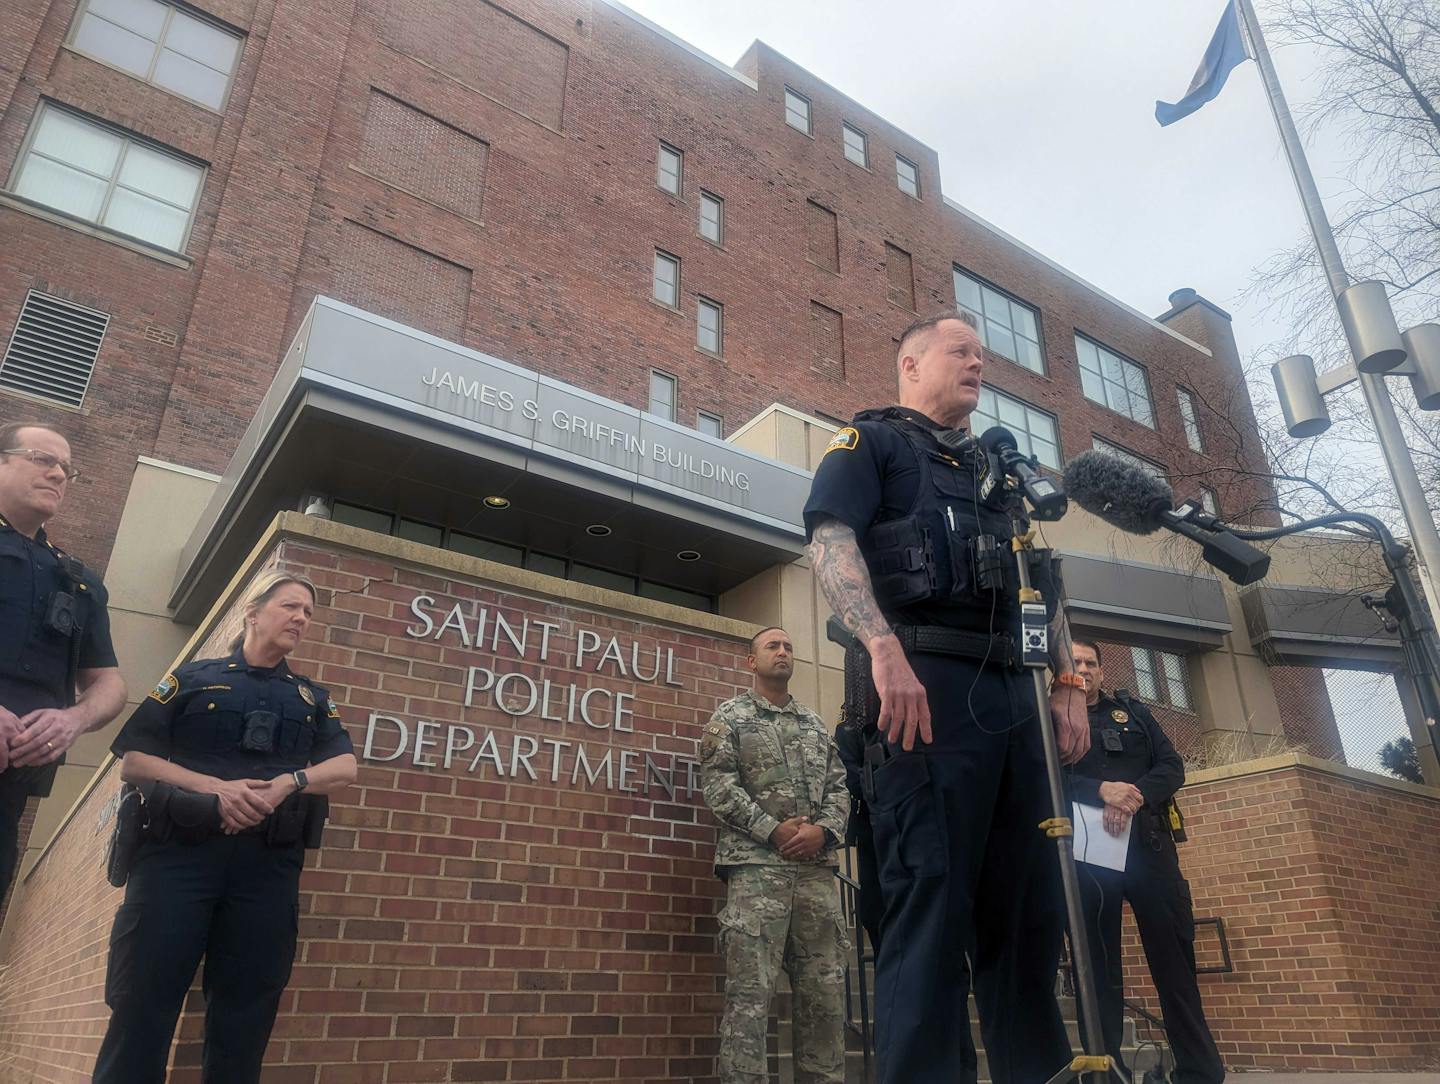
(573, 706)
(600, 434)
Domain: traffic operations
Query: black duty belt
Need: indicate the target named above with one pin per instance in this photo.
(997, 649)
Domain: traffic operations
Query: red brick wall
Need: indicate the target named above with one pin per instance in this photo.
(570, 101)
(1327, 889)
(458, 924)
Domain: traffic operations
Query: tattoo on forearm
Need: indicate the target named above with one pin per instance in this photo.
(1062, 659)
(845, 580)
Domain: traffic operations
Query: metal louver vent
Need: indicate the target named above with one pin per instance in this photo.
(52, 353)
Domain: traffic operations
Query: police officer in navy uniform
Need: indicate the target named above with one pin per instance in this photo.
(1132, 772)
(954, 776)
(54, 632)
(248, 731)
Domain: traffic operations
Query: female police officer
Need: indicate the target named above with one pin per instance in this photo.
(233, 738)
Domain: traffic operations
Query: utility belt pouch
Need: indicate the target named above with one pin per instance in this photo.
(126, 836)
(988, 560)
(317, 812)
(901, 559)
(182, 815)
(1174, 821)
(286, 826)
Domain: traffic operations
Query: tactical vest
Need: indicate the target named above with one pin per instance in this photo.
(949, 554)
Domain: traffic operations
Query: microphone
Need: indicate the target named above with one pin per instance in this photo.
(1136, 502)
(1004, 458)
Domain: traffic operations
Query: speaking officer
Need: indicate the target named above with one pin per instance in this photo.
(232, 739)
(1132, 772)
(774, 781)
(897, 534)
(54, 632)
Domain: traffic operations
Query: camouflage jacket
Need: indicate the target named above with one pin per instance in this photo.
(762, 765)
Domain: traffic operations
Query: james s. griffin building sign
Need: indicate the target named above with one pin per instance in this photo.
(561, 712)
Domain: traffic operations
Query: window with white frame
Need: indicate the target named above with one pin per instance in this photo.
(1114, 381)
(712, 425)
(797, 111)
(857, 146)
(662, 395)
(1155, 470)
(1192, 422)
(160, 43)
(665, 287)
(1035, 430)
(907, 176)
(96, 173)
(712, 218)
(1007, 327)
(709, 325)
(1161, 677)
(670, 169)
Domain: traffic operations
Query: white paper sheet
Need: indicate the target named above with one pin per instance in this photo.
(1095, 845)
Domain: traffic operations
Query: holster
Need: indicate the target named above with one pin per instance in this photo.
(300, 818)
(126, 835)
(181, 815)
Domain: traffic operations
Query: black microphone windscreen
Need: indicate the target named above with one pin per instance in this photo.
(997, 436)
(1118, 492)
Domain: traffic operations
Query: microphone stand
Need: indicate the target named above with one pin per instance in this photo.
(1095, 1064)
(1405, 611)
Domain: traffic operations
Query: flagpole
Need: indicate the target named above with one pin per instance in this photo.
(1425, 540)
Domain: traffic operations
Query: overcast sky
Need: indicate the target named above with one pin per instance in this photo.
(1042, 112)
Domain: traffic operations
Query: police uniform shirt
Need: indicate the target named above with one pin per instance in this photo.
(34, 661)
(1127, 745)
(196, 718)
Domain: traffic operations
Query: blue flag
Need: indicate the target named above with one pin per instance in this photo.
(1226, 51)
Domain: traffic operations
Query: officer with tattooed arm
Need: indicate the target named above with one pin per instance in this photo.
(231, 754)
(773, 780)
(917, 566)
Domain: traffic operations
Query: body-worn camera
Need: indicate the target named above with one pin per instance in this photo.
(261, 730)
(1111, 741)
(62, 615)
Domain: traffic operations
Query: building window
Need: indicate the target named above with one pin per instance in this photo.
(1155, 470)
(666, 286)
(1008, 327)
(797, 111)
(712, 218)
(907, 176)
(670, 169)
(1160, 677)
(1189, 417)
(95, 173)
(1035, 430)
(709, 325)
(857, 146)
(712, 425)
(1209, 502)
(822, 236)
(53, 350)
(1115, 382)
(662, 395)
(900, 277)
(160, 44)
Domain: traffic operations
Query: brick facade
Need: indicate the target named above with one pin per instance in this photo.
(467, 923)
(487, 172)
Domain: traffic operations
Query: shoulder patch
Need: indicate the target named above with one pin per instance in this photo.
(332, 711)
(165, 691)
(846, 440)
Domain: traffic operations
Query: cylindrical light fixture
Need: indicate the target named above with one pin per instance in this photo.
(1300, 398)
(1370, 327)
(1422, 343)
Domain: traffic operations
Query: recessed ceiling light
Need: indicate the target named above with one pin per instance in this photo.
(689, 555)
(497, 503)
(599, 530)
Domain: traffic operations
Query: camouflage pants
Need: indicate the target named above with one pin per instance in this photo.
(786, 916)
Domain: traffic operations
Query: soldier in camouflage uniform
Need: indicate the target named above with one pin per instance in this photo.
(775, 783)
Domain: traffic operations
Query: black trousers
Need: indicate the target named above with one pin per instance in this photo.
(233, 901)
(1165, 916)
(966, 871)
(14, 793)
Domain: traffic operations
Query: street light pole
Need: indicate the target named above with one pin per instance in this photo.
(1424, 539)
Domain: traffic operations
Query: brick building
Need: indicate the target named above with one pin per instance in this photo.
(565, 190)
